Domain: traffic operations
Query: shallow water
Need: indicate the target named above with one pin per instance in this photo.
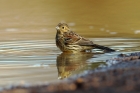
(28, 54)
(35, 61)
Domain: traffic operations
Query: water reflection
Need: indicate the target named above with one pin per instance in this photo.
(69, 63)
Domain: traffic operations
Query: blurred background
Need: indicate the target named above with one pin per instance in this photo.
(27, 30)
(34, 19)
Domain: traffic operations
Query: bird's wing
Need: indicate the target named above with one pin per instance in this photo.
(73, 38)
(83, 41)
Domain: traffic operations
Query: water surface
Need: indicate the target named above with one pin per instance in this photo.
(36, 61)
(28, 54)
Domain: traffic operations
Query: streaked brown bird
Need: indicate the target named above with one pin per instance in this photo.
(69, 41)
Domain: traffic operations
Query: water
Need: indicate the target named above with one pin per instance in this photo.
(28, 54)
(35, 61)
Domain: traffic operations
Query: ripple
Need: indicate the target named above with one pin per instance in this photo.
(25, 59)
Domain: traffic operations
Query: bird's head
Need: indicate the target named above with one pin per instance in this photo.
(62, 28)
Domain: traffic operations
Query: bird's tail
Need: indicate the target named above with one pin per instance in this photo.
(102, 47)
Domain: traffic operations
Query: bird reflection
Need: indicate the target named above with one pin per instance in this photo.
(69, 63)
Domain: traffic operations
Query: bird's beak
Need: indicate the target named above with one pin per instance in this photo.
(57, 28)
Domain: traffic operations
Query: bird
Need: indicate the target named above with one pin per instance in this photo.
(69, 41)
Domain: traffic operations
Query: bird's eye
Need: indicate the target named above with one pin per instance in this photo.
(63, 27)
